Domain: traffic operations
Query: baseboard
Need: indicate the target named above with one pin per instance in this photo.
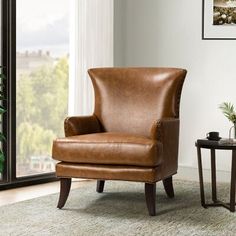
(191, 173)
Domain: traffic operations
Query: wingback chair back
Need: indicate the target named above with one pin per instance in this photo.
(133, 134)
(131, 99)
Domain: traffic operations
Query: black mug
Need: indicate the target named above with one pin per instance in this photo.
(213, 135)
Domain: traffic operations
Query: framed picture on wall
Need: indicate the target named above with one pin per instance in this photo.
(219, 20)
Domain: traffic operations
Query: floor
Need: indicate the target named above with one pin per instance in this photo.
(120, 209)
(20, 194)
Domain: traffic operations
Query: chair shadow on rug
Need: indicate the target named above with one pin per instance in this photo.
(133, 134)
(184, 208)
(111, 203)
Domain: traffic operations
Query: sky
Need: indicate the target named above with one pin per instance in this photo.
(42, 23)
(36, 14)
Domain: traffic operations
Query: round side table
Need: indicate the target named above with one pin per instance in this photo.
(213, 146)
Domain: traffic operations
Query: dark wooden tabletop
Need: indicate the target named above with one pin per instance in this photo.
(210, 144)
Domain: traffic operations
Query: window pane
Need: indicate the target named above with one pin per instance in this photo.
(42, 81)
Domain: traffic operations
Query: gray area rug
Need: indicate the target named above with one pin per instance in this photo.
(120, 210)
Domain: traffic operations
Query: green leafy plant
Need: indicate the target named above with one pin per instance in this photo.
(2, 111)
(229, 111)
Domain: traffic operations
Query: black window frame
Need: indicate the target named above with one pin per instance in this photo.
(8, 59)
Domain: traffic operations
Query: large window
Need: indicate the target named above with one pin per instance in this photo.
(36, 59)
(42, 49)
(42, 41)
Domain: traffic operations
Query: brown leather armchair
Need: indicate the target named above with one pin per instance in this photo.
(133, 134)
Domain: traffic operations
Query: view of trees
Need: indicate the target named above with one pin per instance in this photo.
(41, 105)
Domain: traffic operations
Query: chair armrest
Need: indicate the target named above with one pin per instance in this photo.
(167, 132)
(165, 128)
(78, 125)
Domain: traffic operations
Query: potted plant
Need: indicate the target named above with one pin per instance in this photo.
(2, 111)
(229, 111)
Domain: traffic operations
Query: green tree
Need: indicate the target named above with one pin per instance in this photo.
(42, 98)
(33, 140)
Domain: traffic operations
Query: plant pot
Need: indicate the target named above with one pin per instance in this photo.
(234, 131)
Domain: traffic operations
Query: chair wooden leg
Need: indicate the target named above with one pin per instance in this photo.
(168, 185)
(150, 194)
(100, 186)
(65, 184)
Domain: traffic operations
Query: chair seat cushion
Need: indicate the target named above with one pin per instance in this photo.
(108, 148)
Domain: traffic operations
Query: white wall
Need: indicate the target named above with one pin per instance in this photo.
(168, 33)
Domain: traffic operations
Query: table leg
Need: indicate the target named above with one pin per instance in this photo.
(201, 177)
(213, 175)
(233, 182)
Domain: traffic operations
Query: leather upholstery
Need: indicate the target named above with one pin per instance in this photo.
(81, 125)
(134, 131)
(107, 172)
(131, 99)
(109, 148)
(166, 131)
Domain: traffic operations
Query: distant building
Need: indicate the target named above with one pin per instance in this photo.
(28, 62)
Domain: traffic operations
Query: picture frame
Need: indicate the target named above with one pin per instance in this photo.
(226, 29)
